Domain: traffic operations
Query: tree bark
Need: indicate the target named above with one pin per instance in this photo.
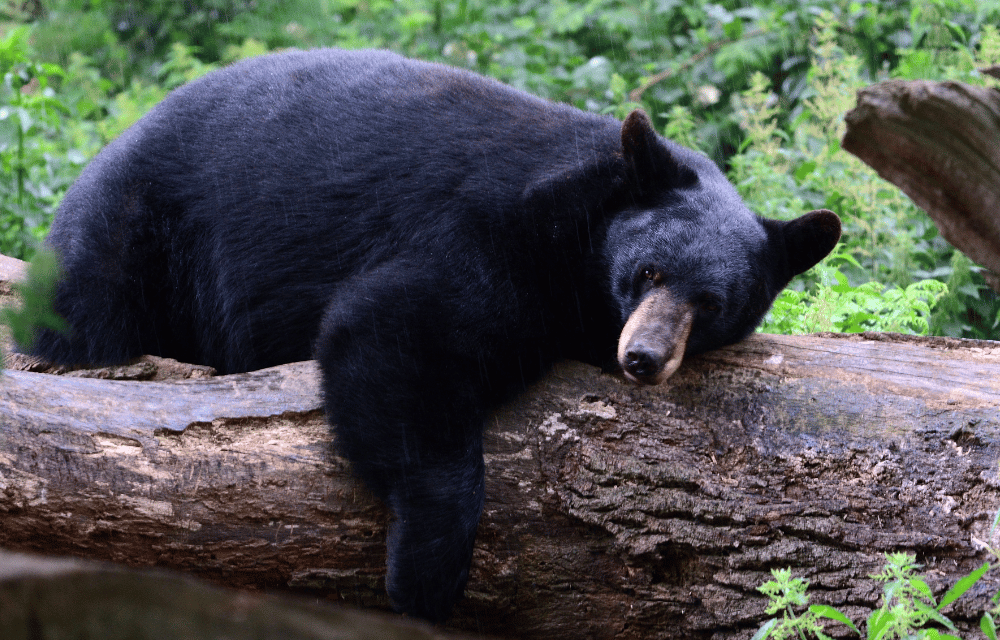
(613, 511)
(940, 143)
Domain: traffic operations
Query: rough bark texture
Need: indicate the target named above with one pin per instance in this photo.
(940, 143)
(613, 511)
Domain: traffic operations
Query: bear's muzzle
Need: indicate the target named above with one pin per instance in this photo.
(652, 343)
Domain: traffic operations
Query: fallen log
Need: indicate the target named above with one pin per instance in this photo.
(612, 510)
(940, 143)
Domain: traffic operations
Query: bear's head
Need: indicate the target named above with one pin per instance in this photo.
(691, 267)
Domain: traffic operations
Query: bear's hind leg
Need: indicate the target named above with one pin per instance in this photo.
(108, 323)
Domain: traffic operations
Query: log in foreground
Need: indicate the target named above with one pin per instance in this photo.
(70, 598)
(612, 510)
(940, 143)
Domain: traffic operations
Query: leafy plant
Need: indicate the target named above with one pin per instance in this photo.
(908, 603)
(908, 606)
(785, 594)
(887, 241)
(988, 623)
(832, 304)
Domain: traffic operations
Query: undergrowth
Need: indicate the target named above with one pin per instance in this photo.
(909, 610)
(868, 284)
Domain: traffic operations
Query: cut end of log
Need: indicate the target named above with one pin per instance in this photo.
(940, 143)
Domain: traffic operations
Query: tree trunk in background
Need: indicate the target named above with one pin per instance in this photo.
(940, 143)
(612, 510)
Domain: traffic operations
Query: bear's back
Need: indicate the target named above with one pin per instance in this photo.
(347, 138)
(343, 159)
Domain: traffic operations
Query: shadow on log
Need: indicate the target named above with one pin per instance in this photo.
(940, 143)
(613, 511)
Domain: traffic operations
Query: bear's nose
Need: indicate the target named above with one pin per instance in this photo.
(642, 364)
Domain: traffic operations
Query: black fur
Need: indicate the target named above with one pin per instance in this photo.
(435, 238)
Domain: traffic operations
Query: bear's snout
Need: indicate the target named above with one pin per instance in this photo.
(652, 343)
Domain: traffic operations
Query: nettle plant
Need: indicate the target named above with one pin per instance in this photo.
(909, 610)
(908, 606)
(858, 288)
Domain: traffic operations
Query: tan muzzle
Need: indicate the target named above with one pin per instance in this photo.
(652, 343)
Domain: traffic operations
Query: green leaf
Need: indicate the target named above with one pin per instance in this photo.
(765, 630)
(963, 585)
(878, 623)
(804, 170)
(50, 69)
(921, 586)
(934, 634)
(988, 626)
(825, 611)
(843, 284)
(733, 29)
(937, 617)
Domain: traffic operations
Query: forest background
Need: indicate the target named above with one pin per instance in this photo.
(760, 87)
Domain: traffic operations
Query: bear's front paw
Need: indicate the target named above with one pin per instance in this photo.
(428, 566)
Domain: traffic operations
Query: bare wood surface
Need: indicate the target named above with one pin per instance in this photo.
(940, 143)
(612, 510)
(11, 270)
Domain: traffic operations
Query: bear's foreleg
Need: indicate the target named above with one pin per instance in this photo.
(407, 397)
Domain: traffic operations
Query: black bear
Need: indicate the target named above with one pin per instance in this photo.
(434, 238)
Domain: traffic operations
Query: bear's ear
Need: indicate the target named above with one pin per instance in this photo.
(809, 238)
(638, 138)
(646, 157)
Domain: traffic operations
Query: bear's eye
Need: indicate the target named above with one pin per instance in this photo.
(648, 275)
(644, 278)
(709, 305)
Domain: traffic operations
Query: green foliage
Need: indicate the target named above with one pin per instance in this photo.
(908, 603)
(33, 175)
(124, 38)
(37, 293)
(832, 304)
(887, 241)
(908, 606)
(786, 594)
(988, 623)
(53, 121)
(761, 87)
